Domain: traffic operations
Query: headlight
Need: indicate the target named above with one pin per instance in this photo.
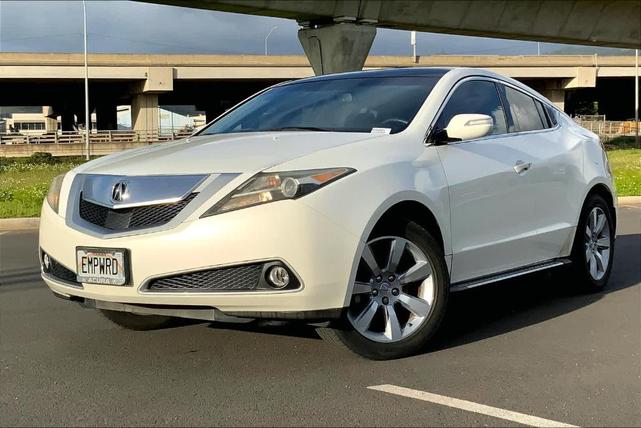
(53, 196)
(276, 186)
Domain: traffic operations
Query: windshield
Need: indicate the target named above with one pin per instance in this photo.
(342, 105)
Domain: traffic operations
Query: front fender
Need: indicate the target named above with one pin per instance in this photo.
(358, 201)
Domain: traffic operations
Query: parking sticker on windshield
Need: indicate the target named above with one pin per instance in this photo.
(381, 131)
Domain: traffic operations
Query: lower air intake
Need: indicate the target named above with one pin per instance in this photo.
(234, 278)
(58, 271)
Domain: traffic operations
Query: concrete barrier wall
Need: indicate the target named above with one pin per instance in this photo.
(73, 149)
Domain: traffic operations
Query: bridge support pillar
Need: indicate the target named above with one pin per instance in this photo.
(552, 89)
(67, 120)
(106, 117)
(557, 96)
(338, 47)
(144, 112)
(212, 111)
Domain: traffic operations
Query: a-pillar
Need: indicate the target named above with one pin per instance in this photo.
(337, 47)
(107, 116)
(144, 112)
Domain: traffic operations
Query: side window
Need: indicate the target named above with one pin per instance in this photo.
(473, 97)
(524, 111)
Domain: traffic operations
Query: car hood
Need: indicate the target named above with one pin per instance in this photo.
(222, 153)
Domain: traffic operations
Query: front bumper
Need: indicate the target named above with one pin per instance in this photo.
(319, 252)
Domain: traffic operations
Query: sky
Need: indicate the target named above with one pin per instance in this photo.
(134, 27)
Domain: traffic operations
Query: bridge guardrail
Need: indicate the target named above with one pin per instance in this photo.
(71, 137)
(606, 129)
(609, 129)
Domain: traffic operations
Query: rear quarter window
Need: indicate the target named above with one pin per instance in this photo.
(542, 114)
(553, 115)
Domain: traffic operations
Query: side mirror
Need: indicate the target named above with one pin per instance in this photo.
(469, 126)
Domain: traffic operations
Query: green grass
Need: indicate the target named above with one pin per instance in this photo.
(24, 181)
(626, 167)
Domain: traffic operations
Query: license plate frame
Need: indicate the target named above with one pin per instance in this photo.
(121, 255)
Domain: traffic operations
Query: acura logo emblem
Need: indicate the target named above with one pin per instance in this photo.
(119, 192)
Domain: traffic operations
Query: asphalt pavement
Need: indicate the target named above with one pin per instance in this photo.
(530, 346)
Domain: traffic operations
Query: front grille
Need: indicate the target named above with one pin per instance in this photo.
(131, 218)
(58, 271)
(235, 278)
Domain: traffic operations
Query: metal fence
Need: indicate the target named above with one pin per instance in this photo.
(70, 137)
(606, 129)
(609, 129)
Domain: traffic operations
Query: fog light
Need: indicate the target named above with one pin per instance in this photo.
(278, 277)
(46, 261)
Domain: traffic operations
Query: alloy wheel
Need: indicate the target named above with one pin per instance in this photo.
(394, 291)
(597, 243)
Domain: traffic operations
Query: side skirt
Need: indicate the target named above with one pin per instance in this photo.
(513, 273)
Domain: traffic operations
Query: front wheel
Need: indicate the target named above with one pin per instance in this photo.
(593, 248)
(399, 297)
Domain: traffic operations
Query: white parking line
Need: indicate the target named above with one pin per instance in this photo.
(469, 406)
(636, 207)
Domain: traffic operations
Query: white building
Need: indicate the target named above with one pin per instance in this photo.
(31, 123)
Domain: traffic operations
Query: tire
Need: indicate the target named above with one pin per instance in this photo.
(417, 330)
(583, 255)
(138, 322)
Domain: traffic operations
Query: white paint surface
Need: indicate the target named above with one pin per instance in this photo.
(469, 406)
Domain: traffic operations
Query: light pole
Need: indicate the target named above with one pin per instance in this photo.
(87, 118)
(267, 37)
(4, 129)
(0, 25)
(636, 97)
(413, 43)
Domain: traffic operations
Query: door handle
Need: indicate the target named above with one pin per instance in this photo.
(521, 167)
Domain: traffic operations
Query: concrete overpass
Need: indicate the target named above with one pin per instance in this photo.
(214, 82)
(337, 34)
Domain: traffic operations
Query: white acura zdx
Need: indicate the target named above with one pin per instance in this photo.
(357, 201)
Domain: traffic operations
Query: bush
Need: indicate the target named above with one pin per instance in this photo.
(42, 157)
(621, 143)
(6, 195)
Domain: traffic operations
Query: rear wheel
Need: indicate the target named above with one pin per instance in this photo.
(138, 322)
(399, 296)
(593, 248)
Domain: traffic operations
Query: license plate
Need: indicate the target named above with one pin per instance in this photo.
(101, 266)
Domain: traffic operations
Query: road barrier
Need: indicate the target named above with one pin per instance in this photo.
(609, 129)
(72, 143)
(70, 137)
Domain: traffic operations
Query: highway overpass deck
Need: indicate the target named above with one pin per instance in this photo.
(213, 83)
(135, 66)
